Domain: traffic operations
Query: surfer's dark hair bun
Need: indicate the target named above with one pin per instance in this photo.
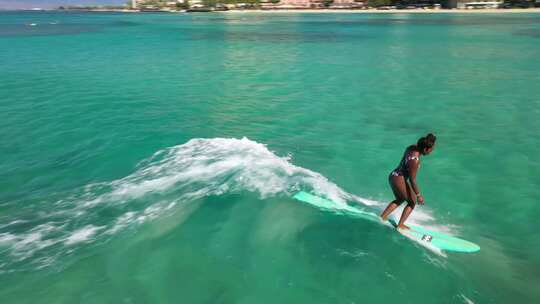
(426, 142)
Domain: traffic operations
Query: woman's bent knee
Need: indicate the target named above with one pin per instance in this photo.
(398, 201)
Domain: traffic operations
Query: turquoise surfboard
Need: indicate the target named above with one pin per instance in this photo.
(420, 234)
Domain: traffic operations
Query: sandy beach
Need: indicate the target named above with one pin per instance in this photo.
(341, 11)
(391, 11)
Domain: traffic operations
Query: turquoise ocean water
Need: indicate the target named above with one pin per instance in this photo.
(151, 158)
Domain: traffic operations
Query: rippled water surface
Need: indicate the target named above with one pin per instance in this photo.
(151, 158)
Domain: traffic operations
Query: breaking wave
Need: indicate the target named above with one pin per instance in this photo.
(173, 176)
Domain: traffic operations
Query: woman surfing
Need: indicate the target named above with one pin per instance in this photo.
(403, 179)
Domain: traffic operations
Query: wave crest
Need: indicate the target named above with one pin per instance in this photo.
(176, 175)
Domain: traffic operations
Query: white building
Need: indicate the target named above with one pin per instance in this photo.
(294, 3)
(348, 3)
(481, 4)
(473, 4)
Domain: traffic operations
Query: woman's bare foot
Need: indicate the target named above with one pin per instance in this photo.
(403, 226)
(384, 218)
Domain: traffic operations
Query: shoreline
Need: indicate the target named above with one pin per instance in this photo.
(390, 11)
(314, 11)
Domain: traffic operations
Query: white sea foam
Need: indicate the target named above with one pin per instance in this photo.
(6, 238)
(82, 234)
(12, 223)
(121, 222)
(436, 260)
(177, 175)
(465, 299)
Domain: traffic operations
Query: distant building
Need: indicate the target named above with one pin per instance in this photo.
(473, 4)
(348, 3)
(321, 4)
(295, 3)
(157, 5)
(196, 3)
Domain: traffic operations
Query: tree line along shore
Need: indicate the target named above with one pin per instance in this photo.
(313, 5)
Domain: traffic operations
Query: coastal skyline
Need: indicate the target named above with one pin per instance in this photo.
(167, 154)
(48, 4)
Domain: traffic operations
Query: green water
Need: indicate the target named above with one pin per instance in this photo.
(151, 158)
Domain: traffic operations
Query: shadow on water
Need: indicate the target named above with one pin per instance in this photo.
(51, 28)
(270, 37)
(33, 29)
(529, 33)
(427, 20)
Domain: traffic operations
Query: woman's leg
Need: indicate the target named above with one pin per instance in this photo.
(398, 185)
(411, 203)
(390, 208)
